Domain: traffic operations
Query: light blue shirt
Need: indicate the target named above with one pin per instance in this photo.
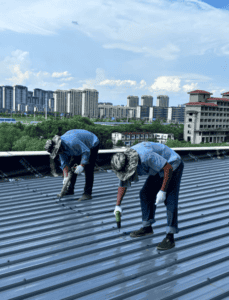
(153, 157)
(77, 142)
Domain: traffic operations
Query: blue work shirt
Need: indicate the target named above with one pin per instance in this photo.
(77, 142)
(153, 157)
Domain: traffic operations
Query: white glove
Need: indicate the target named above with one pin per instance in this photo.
(118, 208)
(79, 169)
(65, 179)
(161, 196)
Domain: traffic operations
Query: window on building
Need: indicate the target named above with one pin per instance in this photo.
(189, 131)
(190, 120)
(123, 137)
(133, 137)
(201, 126)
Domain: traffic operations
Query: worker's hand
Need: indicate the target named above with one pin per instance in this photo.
(79, 169)
(65, 179)
(118, 208)
(161, 196)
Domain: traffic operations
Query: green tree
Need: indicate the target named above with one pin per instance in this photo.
(120, 143)
(109, 144)
(8, 136)
(136, 142)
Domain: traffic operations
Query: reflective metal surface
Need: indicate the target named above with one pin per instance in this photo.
(51, 249)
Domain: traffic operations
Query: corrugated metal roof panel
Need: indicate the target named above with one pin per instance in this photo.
(68, 249)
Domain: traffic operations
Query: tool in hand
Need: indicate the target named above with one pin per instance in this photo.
(118, 219)
(67, 182)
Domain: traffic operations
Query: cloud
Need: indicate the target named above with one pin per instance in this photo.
(63, 84)
(57, 75)
(118, 82)
(190, 87)
(166, 83)
(162, 29)
(16, 69)
(67, 79)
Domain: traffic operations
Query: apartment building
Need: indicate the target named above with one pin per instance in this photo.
(206, 118)
(20, 94)
(176, 114)
(132, 101)
(142, 112)
(74, 101)
(162, 101)
(128, 138)
(146, 100)
(60, 101)
(116, 111)
(157, 112)
(90, 103)
(7, 97)
(1, 97)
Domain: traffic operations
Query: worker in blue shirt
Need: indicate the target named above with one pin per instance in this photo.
(79, 147)
(164, 168)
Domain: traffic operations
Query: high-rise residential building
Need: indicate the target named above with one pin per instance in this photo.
(38, 93)
(176, 114)
(162, 101)
(158, 112)
(90, 103)
(7, 97)
(60, 101)
(206, 118)
(142, 112)
(74, 101)
(132, 101)
(20, 94)
(146, 101)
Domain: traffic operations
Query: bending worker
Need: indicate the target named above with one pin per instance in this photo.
(79, 147)
(164, 167)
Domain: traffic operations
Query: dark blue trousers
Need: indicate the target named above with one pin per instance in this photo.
(148, 198)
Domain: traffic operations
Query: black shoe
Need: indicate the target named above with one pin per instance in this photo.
(85, 197)
(69, 192)
(166, 244)
(141, 232)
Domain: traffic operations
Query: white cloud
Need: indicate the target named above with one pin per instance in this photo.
(162, 29)
(190, 87)
(59, 74)
(166, 83)
(118, 82)
(63, 84)
(66, 79)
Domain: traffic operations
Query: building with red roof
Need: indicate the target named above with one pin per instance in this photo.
(206, 118)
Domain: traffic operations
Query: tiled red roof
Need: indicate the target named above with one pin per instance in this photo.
(201, 103)
(199, 92)
(227, 93)
(224, 99)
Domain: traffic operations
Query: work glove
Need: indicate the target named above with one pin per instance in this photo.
(161, 196)
(79, 169)
(118, 208)
(65, 179)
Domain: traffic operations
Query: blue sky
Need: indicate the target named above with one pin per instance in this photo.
(120, 48)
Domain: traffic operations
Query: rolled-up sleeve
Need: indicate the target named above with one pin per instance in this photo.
(64, 160)
(156, 161)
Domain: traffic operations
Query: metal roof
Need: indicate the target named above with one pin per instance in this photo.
(68, 249)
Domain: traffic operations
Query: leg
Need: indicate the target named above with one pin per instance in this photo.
(172, 200)
(148, 198)
(74, 160)
(89, 171)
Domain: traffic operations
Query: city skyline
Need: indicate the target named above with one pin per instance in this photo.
(117, 50)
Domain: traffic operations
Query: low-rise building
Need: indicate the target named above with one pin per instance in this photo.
(206, 118)
(128, 138)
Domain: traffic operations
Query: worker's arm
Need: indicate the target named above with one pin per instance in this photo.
(121, 194)
(168, 171)
(65, 171)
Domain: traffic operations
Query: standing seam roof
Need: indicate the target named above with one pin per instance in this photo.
(68, 249)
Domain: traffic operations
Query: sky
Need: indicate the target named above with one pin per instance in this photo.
(120, 48)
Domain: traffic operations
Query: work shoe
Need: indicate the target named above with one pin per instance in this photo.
(85, 197)
(166, 244)
(68, 192)
(141, 232)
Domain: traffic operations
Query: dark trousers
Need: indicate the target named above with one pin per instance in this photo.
(89, 171)
(148, 198)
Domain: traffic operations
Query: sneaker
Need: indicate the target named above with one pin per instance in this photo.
(166, 244)
(141, 232)
(85, 197)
